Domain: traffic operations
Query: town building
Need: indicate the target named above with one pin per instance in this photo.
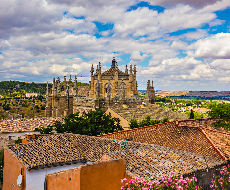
(31, 95)
(72, 161)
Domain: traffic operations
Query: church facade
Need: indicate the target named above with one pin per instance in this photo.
(113, 82)
(112, 88)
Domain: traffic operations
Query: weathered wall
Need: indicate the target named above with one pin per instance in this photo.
(11, 171)
(35, 178)
(96, 176)
(103, 175)
(69, 180)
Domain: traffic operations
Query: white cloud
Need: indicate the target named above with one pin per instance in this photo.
(200, 33)
(216, 22)
(137, 57)
(173, 66)
(179, 45)
(223, 64)
(140, 22)
(224, 79)
(18, 15)
(216, 46)
(195, 3)
(64, 43)
(38, 41)
(182, 17)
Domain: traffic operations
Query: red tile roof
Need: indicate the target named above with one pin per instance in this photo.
(179, 135)
(221, 140)
(152, 161)
(149, 161)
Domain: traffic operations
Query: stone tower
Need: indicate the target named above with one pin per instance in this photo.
(121, 84)
(150, 93)
(60, 102)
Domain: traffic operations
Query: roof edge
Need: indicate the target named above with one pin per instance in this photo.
(214, 147)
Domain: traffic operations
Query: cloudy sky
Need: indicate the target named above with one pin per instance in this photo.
(179, 44)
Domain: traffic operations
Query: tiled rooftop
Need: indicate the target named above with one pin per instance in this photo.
(220, 139)
(149, 161)
(153, 161)
(18, 125)
(170, 135)
(62, 148)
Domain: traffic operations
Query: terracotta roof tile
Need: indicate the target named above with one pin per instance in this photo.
(149, 161)
(153, 161)
(62, 148)
(221, 140)
(170, 135)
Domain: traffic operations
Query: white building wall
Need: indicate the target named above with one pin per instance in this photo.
(35, 178)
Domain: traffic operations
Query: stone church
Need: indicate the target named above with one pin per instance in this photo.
(113, 82)
(112, 88)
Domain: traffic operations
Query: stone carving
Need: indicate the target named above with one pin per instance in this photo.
(122, 89)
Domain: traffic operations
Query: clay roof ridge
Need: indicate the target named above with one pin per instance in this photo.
(212, 144)
(216, 131)
(158, 147)
(15, 155)
(165, 150)
(177, 123)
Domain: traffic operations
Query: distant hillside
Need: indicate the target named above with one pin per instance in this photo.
(204, 95)
(178, 93)
(16, 88)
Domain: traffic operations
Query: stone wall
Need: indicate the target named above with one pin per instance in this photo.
(83, 91)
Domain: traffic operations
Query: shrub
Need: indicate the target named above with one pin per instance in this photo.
(6, 107)
(166, 182)
(146, 122)
(221, 181)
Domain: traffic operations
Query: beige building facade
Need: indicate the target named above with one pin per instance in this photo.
(112, 88)
(113, 82)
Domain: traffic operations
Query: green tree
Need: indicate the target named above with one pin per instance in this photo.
(6, 107)
(43, 107)
(191, 114)
(221, 112)
(93, 123)
(45, 130)
(18, 141)
(146, 122)
(133, 124)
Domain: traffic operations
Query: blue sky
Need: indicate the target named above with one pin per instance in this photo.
(179, 44)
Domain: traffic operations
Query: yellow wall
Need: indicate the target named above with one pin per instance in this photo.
(124, 123)
(97, 176)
